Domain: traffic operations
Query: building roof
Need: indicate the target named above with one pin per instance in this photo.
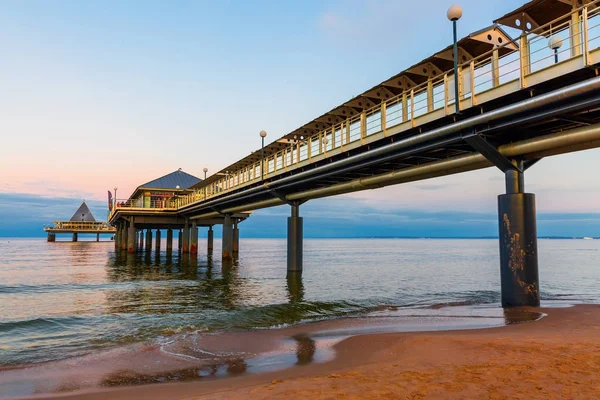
(172, 181)
(83, 213)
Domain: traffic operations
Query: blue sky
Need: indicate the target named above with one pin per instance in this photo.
(102, 94)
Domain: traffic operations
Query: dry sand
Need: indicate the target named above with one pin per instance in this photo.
(557, 357)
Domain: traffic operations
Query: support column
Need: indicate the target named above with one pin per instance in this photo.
(236, 237)
(124, 236)
(131, 245)
(169, 240)
(180, 240)
(116, 239)
(97, 237)
(141, 240)
(148, 240)
(211, 235)
(227, 250)
(185, 248)
(74, 236)
(51, 237)
(157, 244)
(194, 239)
(518, 243)
(294, 240)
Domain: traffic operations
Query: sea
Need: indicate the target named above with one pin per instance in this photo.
(75, 315)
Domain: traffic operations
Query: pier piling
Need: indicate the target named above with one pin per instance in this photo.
(227, 246)
(294, 240)
(210, 240)
(194, 239)
(75, 236)
(157, 243)
(131, 248)
(169, 240)
(236, 237)
(186, 238)
(518, 243)
(148, 240)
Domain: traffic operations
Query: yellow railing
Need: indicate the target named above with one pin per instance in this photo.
(522, 64)
(82, 225)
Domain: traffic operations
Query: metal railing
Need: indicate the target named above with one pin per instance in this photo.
(509, 67)
(81, 226)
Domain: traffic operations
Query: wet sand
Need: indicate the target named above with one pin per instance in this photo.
(555, 357)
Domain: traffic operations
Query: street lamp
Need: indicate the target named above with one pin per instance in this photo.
(205, 171)
(115, 201)
(555, 43)
(454, 13)
(263, 135)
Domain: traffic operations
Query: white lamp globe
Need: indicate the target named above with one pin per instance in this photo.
(263, 134)
(555, 42)
(454, 13)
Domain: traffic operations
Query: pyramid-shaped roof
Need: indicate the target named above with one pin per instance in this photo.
(83, 213)
(172, 180)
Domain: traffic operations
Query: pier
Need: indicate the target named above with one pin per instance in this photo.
(489, 100)
(82, 222)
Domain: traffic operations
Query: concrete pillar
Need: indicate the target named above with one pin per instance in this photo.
(169, 240)
(141, 240)
(518, 244)
(180, 240)
(51, 237)
(236, 237)
(194, 239)
(227, 247)
(74, 236)
(211, 235)
(294, 240)
(185, 248)
(131, 242)
(148, 240)
(157, 244)
(97, 237)
(124, 236)
(116, 239)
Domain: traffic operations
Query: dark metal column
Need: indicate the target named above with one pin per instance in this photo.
(186, 238)
(148, 240)
(227, 250)
(210, 244)
(180, 240)
(97, 237)
(74, 236)
(157, 244)
(169, 240)
(294, 240)
(518, 243)
(131, 237)
(51, 237)
(236, 237)
(141, 240)
(194, 239)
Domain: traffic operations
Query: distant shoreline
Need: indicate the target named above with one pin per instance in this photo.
(353, 237)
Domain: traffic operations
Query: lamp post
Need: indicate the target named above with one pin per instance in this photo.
(454, 13)
(555, 43)
(115, 201)
(205, 171)
(263, 134)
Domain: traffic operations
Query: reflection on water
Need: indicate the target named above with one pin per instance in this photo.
(305, 349)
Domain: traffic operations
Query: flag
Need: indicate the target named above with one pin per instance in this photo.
(110, 202)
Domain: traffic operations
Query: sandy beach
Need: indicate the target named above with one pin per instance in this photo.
(557, 357)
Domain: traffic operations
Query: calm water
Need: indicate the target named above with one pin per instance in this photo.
(59, 300)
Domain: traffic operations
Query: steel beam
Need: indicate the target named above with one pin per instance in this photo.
(490, 152)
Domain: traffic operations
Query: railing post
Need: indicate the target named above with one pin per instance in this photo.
(574, 38)
(363, 127)
(412, 107)
(348, 130)
(472, 68)
(333, 137)
(585, 37)
(298, 152)
(429, 95)
(523, 59)
(320, 142)
(446, 94)
(383, 113)
(309, 149)
(495, 68)
(404, 107)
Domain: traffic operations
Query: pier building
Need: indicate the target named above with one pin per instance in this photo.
(81, 222)
(153, 207)
(525, 88)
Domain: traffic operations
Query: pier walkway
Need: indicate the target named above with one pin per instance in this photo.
(518, 100)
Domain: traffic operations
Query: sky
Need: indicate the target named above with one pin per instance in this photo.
(102, 94)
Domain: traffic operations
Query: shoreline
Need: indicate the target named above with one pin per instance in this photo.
(441, 364)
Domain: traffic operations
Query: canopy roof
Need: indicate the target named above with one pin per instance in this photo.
(174, 180)
(537, 13)
(83, 213)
